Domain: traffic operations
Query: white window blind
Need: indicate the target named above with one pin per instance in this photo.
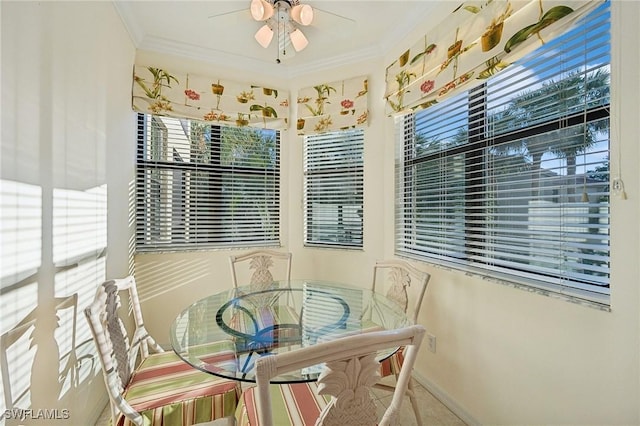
(333, 164)
(202, 186)
(511, 179)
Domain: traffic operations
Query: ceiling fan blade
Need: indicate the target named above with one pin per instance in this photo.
(227, 13)
(334, 14)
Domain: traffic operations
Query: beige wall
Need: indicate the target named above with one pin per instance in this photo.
(66, 129)
(504, 356)
(186, 277)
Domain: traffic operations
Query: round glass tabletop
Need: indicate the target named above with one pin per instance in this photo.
(225, 333)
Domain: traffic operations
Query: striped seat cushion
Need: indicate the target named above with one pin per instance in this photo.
(393, 364)
(216, 357)
(291, 404)
(389, 366)
(269, 325)
(167, 391)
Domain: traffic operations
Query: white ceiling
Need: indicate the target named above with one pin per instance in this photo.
(221, 31)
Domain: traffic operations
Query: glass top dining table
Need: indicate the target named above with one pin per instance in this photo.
(223, 334)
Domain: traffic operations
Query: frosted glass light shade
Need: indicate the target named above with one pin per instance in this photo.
(302, 14)
(261, 10)
(264, 36)
(298, 40)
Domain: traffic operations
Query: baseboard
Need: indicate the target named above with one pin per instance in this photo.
(446, 400)
(98, 409)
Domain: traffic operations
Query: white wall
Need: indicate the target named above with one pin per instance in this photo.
(67, 156)
(504, 355)
(169, 282)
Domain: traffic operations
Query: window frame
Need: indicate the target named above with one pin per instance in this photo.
(407, 167)
(148, 228)
(351, 170)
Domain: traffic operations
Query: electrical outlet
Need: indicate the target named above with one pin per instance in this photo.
(431, 343)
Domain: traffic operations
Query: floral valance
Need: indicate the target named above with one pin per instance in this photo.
(328, 107)
(163, 92)
(478, 40)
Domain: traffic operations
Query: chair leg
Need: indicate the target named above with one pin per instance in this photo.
(414, 402)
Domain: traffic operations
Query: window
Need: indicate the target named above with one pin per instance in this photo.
(511, 179)
(333, 165)
(203, 186)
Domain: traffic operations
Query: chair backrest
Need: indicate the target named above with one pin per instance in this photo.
(403, 284)
(349, 372)
(260, 266)
(117, 352)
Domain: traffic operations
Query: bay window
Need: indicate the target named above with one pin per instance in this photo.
(333, 189)
(202, 186)
(511, 178)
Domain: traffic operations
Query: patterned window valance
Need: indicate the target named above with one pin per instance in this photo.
(328, 107)
(162, 92)
(478, 40)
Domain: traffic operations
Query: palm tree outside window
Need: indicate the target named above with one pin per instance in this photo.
(511, 179)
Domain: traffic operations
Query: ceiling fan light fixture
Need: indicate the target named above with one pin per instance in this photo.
(302, 14)
(264, 36)
(261, 10)
(298, 40)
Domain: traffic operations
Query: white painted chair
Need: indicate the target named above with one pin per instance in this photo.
(257, 268)
(342, 394)
(162, 388)
(405, 285)
(261, 267)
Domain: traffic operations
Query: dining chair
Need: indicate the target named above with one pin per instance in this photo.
(147, 385)
(341, 395)
(261, 266)
(406, 285)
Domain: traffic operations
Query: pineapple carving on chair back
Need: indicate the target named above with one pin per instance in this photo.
(261, 276)
(261, 279)
(400, 280)
(349, 382)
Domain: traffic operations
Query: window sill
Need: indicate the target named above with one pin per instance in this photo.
(599, 302)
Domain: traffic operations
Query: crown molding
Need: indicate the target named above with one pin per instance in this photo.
(327, 63)
(400, 32)
(217, 57)
(127, 17)
(211, 56)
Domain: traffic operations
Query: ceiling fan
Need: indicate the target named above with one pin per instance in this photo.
(283, 20)
(284, 17)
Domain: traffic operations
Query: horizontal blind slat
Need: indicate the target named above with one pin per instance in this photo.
(200, 186)
(511, 178)
(333, 189)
